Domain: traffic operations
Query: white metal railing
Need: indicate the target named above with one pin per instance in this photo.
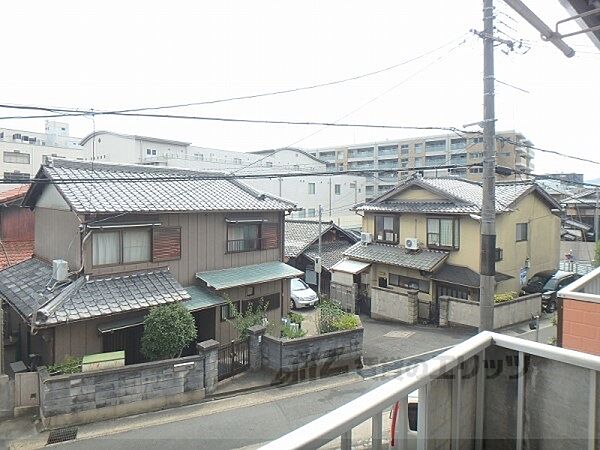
(370, 406)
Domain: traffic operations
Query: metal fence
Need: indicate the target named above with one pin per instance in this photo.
(580, 268)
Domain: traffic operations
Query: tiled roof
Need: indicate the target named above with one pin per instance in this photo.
(397, 256)
(460, 197)
(16, 251)
(331, 252)
(202, 298)
(13, 194)
(25, 287)
(248, 275)
(114, 188)
(300, 234)
(463, 276)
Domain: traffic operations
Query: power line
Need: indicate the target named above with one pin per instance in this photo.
(78, 112)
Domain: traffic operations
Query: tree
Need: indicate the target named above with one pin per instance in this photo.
(168, 329)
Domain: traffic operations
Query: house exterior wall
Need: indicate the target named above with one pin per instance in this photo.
(581, 326)
(17, 224)
(57, 236)
(203, 246)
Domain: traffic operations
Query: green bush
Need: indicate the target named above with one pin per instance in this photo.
(296, 317)
(505, 297)
(242, 321)
(290, 332)
(330, 317)
(69, 365)
(168, 329)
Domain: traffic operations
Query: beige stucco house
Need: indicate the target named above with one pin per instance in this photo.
(134, 237)
(425, 235)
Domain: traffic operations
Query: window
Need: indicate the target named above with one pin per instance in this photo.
(435, 146)
(382, 283)
(419, 147)
(476, 170)
(419, 162)
(312, 212)
(16, 176)
(16, 157)
(249, 291)
(452, 291)
(499, 254)
(458, 144)
(269, 164)
(476, 155)
(338, 189)
(311, 188)
(521, 232)
(443, 233)
(237, 161)
(121, 246)
(408, 283)
(302, 214)
(151, 151)
(404, 149)
(227, 311)
(386, 229)
(477, 140)
(243, 237)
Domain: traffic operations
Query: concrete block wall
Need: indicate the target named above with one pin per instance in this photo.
(106, 394)
(336, 349)
(457, 311)
(580, 323)
(390, 305)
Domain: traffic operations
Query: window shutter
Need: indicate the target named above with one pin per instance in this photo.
(166, 243)
(270, 235)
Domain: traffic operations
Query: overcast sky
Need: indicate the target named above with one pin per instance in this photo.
(121, 54)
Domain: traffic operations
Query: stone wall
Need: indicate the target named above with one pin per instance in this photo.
(334, 350)
(389, 305)
(456, 311)
(110, 393)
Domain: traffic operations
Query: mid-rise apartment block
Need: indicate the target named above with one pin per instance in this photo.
(386, 162)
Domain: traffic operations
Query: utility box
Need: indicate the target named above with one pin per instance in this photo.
(101, 361)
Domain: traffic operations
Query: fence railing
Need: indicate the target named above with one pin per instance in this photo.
(243, 245)
(449, 366)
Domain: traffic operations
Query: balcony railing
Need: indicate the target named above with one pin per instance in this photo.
(491, 389)
(243, 245)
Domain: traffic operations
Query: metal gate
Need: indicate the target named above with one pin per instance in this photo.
(234, 358)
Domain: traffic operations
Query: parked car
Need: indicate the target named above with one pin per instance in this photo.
(302, 295)
(548, 283)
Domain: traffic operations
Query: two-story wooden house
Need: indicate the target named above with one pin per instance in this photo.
(134, 237)
(426, 236)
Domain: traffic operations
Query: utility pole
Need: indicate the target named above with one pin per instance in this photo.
(488, 207)
(318, 263)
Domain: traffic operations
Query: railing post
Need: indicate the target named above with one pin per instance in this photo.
(592, 412)
(520, 399)
(402, 423)
(422, 433)
(347, 440)
(376, 432)
(480, 401)
(456, 406)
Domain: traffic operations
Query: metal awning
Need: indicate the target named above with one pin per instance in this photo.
(248, 275)
(121, 324)
(350, 266)
(202, 298)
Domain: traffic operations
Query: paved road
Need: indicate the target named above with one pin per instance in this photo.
(234, 428)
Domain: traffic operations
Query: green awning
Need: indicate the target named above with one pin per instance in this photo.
(202, 298)
(121, 324)
(248, 275)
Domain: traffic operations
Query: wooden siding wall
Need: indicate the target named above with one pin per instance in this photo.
(17, 224)
(203, 246)
(57, 236)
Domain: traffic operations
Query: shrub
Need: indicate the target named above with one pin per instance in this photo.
(296, 317)
(242, 321)
(168, 329)
(290, 332)
(69, 365)
(333, 318)
(505, 297)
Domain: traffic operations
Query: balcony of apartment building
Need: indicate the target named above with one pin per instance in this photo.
(436, 147)
(387, 152)
(458, 144)
(327, 156)
(361, 153)
(387, 177)
(490, 391)
(388, 164)
(360, 165)
(434, 161)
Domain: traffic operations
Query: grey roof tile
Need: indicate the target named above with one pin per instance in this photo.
(331, 252)
(301, 233)
(462, 276)
(155, 189)
(88, 298)
(393, 255)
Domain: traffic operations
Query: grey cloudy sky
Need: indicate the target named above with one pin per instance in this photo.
(117, 54)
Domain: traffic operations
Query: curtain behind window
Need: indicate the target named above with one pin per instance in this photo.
(136, 245)
(446, 233)
(106, 248)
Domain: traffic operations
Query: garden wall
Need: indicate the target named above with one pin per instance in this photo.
(116, 392)
(390, 305)
(456, 311)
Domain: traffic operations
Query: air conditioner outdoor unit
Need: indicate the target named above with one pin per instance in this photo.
(60, 270)
(411, 243)
(366, 238)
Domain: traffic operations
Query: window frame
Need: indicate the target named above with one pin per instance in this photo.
(517, 234)
(120, 261)
(312, 188)
(337, 189)
(455, 233)
(258, 239)
(395, 230)
(16, 154)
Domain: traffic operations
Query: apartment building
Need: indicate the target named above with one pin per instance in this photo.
(23, 151)
(389, 161)
(337, 194)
